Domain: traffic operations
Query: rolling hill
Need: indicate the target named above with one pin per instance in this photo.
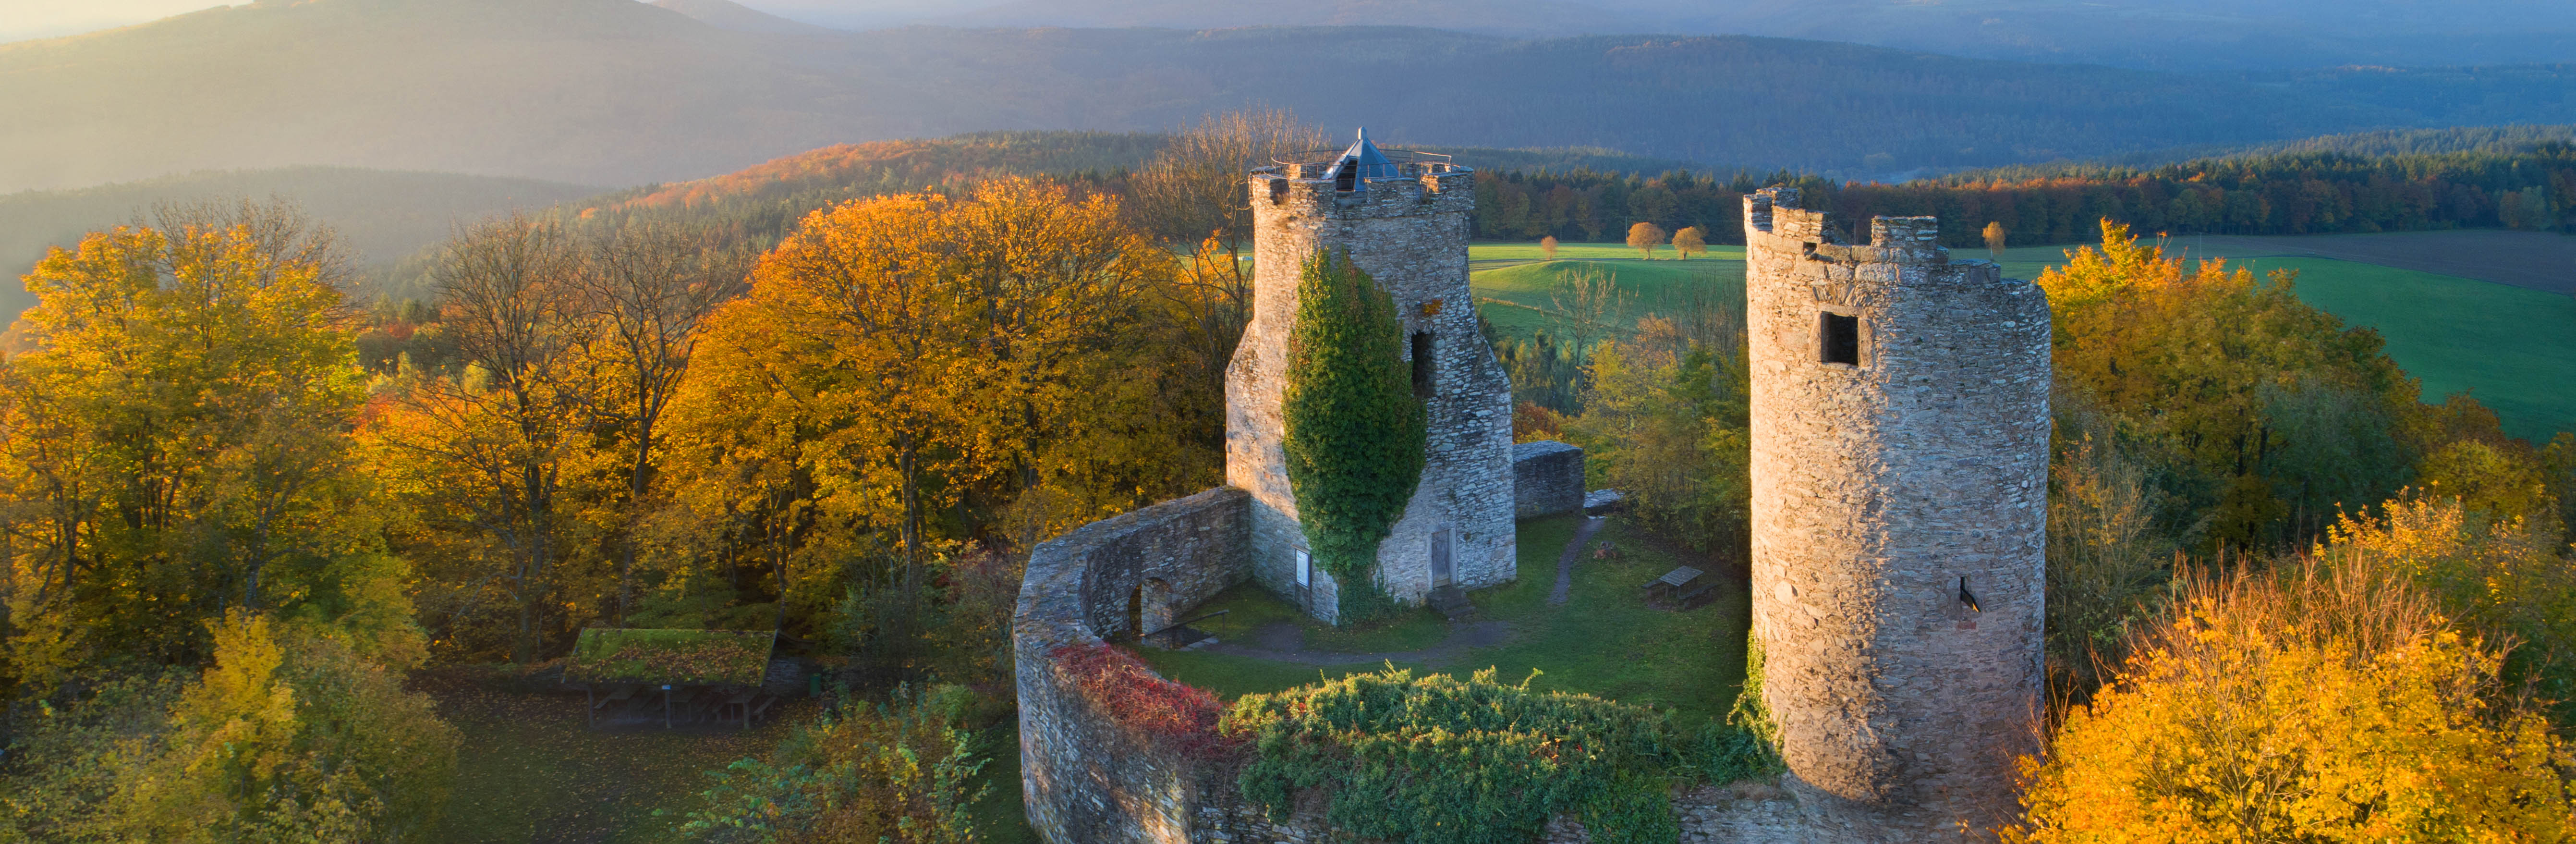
(619, 92)
(2179, 35)
(381, 216)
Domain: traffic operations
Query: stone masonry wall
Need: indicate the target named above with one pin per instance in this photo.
(1087, 779)
(1881, 491)
(1547, 479)
(1409, 234)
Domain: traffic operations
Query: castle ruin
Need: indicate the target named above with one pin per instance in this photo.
(1900, 501)
(1405, 224)
(1899, 436)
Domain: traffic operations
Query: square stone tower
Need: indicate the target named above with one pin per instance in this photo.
(1900, 497)
(1402, 220)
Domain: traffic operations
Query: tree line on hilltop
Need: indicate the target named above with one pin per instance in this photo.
(2528, 188)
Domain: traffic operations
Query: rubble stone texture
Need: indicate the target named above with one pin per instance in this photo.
(1084, 776)
(1886, 496)
(1410, 234)
(1547, 479)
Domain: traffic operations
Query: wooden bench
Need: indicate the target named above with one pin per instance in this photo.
(619, 693)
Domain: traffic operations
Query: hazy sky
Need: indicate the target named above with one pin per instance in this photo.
(24, 19)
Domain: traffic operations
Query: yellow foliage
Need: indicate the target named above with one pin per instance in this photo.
(2494, 576)
(2320, 706)
(2279, 408)
(1644, 237)
(289, 739)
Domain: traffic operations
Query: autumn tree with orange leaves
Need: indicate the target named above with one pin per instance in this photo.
(2318, 702)
(906, 359)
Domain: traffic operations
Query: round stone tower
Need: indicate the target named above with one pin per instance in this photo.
(1403, 220)
(1900, 486)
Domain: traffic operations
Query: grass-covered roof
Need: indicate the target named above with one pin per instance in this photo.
(673, 657)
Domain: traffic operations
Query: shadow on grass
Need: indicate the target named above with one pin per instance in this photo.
(529, 769)
(1604, 641)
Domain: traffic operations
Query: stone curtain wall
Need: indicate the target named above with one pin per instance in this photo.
(1547, 479)
(1876, 488)
(1089, 778)
(1086, 778)
(1410, 235)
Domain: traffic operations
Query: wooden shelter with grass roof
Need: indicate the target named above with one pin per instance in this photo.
(712, 675)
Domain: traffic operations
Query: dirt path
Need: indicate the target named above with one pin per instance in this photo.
(1285, 642)
(1565, 562)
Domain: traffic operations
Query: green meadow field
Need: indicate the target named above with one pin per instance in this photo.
(1513, 281)
(2513, 348)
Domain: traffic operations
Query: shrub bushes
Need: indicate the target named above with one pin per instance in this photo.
(1437, 760)
(1178, 714)
(895, 773)
(288, 737)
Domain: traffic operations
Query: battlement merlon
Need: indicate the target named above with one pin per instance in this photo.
(1774, 224)
(1423, 189)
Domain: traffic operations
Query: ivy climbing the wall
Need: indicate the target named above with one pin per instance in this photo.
(1436, 760)
(1355, 431)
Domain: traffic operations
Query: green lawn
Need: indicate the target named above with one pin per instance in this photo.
(1513, 283)
(530, 771)
(1526, 251)
(1248, 608)
(1604, 641)
(2513, 348)
(1001, 817)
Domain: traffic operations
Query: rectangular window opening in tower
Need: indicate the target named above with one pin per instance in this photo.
(1840, 336)
(1422, 368)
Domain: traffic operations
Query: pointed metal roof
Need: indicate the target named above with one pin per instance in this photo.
(1365, 161)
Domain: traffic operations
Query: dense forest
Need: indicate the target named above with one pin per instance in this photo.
(2521, 187)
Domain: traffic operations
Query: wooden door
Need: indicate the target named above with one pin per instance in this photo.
(1441, 572)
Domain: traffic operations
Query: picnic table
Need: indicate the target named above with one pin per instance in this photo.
(1683, 586)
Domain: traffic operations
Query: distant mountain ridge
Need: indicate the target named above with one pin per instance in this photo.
(2176, 35)
(725, 14)
(619, 92)
(381, 216)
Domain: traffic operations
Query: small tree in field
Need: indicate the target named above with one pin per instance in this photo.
(1644, 237)
(1547, 247)
(1690, 241)
(1995, 240)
